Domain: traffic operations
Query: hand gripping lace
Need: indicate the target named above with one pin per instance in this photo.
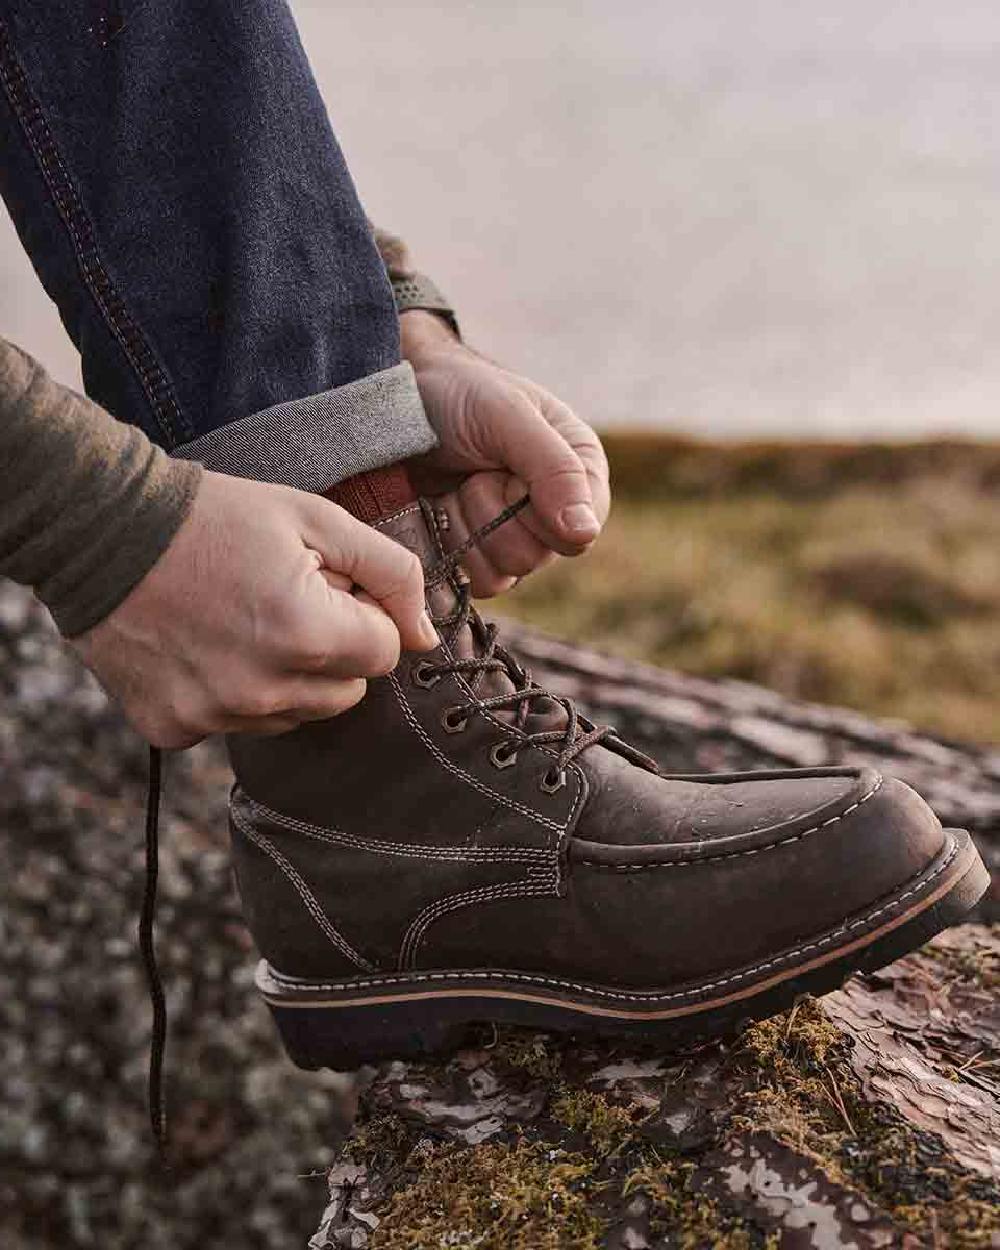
(572, 738)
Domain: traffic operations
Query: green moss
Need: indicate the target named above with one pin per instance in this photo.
(380, 1141)
(563, 1190)
(527, 1196)
(691, 1219)
(607, 1126)
(531, 1052)
(802, 1091)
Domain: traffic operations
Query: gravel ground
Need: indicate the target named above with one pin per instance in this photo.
(77, 1165)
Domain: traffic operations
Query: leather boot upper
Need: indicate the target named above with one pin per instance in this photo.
(427, 828)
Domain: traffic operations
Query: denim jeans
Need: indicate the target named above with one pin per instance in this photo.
(172, 173)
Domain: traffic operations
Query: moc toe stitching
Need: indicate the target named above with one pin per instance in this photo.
(691, 854)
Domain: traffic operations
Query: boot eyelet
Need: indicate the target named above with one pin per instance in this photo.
(423, 675)
(454, 719)
(503, 755)
(553, 780)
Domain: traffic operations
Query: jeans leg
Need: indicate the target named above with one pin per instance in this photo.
(172, 173)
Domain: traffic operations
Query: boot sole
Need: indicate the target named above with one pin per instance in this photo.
(344, 1025)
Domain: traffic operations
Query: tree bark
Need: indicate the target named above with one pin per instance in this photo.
(868, 1119)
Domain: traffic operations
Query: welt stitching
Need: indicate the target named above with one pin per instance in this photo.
(599, 992)
(337, 837)
(535, 883)
(469, 780)
(307, 896)
(757, 850)
(108, 299)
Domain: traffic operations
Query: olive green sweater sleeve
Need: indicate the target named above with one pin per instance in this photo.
(87, 503)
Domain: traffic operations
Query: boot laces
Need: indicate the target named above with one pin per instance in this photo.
(576, 736)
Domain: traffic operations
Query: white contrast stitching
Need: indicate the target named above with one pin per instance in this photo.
(536, 883)
(308, 898)
(413, 507)
(472, 854)
(714, 859)
(648, 997)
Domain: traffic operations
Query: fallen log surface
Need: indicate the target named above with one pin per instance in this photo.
(868, 1119)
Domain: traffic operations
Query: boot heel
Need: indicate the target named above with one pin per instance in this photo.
(346, 1038)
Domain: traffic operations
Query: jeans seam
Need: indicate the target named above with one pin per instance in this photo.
(110, 303)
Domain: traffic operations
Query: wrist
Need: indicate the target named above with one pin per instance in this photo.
(424, 335)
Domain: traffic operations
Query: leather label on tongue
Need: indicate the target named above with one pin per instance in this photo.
(411, 530)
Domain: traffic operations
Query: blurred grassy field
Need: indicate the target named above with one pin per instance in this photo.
(863, 575)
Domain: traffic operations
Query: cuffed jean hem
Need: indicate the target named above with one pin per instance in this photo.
(315, 442)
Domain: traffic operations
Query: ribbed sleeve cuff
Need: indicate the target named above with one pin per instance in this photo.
(147, 513)
(87, 503)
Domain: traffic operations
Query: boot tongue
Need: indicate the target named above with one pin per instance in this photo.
(417, 530)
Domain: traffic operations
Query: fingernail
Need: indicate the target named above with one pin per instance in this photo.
(580, 520)
(427, 629)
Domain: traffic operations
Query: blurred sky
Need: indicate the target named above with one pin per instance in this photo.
(734, 217)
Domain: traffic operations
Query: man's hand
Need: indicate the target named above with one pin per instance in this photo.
(269, 608)
(502, 437)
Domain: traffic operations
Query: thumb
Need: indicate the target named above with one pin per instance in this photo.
(561, 497)
(390, 574)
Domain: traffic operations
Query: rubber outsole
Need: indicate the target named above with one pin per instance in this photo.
(344, 1025)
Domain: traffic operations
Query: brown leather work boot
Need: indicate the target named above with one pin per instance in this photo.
(463, 847)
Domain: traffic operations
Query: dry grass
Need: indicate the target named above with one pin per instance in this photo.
(864, 577)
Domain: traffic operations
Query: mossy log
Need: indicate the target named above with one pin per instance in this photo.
(868, 1119)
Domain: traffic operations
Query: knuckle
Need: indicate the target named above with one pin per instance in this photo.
(169, 732)
(352, 694)
(308, 651)
(517, 567)
(385, 654)
(311, 658)
(412, 573)
(255, 701)
(488, 583)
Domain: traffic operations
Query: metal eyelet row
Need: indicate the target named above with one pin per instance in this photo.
(504, 755)
(553, 780)
(455, 719)
(422, 674)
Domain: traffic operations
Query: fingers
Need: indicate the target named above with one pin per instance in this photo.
(390, 574)
(529, 444)
(257, 707)
(503, 556)
(310, 699)
(345, 636)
